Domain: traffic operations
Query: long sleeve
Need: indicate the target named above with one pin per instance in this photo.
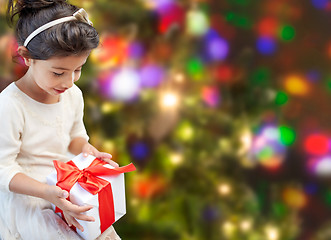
(11, 127)
(78, 128)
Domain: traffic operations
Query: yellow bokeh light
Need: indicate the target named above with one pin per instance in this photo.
(224, 189)
(176, 158)
(107, 107)
(246, 225)
(246, 142)
(108, 146)
(272, 233)
(296, 85)
(179, 77)
(228, 228)
(295, 198)
(169, 100)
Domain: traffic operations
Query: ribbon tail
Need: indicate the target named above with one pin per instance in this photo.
(106, 208)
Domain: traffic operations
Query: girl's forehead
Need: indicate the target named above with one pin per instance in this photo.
(67, 61)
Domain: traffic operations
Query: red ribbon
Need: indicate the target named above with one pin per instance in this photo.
(68, 174)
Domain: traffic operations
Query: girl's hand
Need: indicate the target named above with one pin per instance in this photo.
(88, 149)
(71, 212)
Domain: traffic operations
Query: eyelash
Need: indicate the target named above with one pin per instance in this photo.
(60, 74)
(57, 74)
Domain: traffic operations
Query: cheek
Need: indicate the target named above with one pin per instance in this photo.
(77, 76)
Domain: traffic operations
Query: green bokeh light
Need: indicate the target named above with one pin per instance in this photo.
(287, 33)
(195, 68)
(287, 135)
(238, 20)
(266, 153)
(281, 98)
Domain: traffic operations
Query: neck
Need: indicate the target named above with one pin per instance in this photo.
(28, 85)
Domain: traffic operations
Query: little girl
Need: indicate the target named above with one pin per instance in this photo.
(42, 120)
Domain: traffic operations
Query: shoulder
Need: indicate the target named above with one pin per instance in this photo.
(10, 103)
(9, 97)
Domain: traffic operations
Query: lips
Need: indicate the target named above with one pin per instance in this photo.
(59, 91)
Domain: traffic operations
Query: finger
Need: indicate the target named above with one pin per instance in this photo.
(77, 225)
(83, 217)
(75, 208)
(111, 162)
(68, 219)
(104, 155)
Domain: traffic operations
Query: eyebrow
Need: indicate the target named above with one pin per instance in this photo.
(65, 69)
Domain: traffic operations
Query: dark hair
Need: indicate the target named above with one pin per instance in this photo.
(68, 38)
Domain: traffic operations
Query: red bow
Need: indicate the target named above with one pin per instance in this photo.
(68, 174)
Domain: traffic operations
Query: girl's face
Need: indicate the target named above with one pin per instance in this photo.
(55, 75)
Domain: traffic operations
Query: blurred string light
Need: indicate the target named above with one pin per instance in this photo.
(272, 233)
(179, 77)
(228, 228)
(171, 15)
(139, 151)
(224, 189)
(296, 85)
(136, 50)
(268, 26)
(239, 20)
(321, 166)
(294, 198)
(270, 144)
(216, 47)
(317, 144)
(151, 75)
(211, 96)
(111, 52)
(318, 149)
(281, 98)
(195, 69)
(287, 33)
(185, 131)
(321, 4)
(176, 158)
(266, 45)
(169, 100)
(246, 140)
(197, 22)
(157, 4)
(124, 85)
(224, 73)
(246, 225)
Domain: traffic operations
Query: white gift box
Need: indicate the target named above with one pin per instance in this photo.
(80, 196)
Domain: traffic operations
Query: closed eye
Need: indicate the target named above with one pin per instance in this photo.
(58, 74)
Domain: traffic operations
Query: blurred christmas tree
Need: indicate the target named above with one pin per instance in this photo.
(222, 106)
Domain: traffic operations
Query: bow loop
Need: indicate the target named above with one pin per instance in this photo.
(82, 16)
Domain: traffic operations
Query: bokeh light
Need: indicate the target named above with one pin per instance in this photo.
(316, 144)
(125, 85)
(151, 75)
(296, 85)
(211, 96)
(217, 48)
(266, 45)
(197, 22)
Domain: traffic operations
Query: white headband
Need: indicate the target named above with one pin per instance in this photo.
(79, 15)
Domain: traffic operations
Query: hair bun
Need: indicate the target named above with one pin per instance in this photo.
(22, 7)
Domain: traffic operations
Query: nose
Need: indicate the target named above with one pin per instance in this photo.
(69, 82)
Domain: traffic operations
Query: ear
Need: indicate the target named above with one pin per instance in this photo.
(24, 53)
